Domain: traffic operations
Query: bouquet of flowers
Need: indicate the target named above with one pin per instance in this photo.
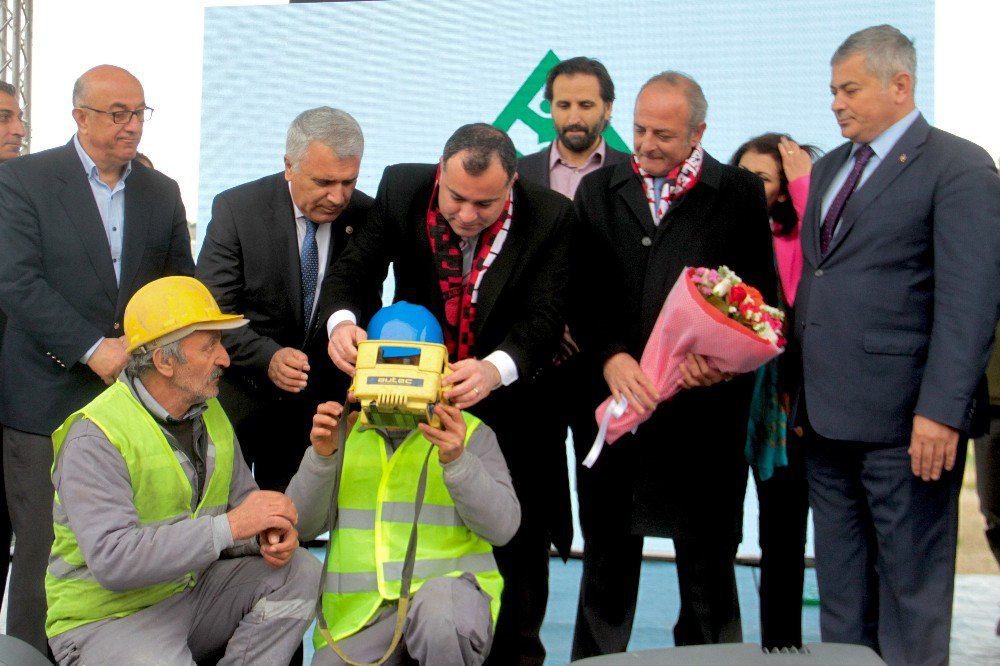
(709, 312)
(733, 297)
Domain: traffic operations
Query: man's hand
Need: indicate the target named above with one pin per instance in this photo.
(289, 369)
(109, 359)
(933, 445)
(343, 347)
(326, 424)
(626, 378)
(567, 347)
(450, 437)
(471, 380)
(277, 546)
(695, 371)
(262, 510)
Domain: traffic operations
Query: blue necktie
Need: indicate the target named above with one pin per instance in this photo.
(309, 262)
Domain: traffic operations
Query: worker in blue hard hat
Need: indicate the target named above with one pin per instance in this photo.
(405, 321)
(435, 600)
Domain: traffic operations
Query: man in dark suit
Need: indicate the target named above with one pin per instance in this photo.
(683, 474)
(580, 92)
(81, 229)
(267, 248)
(11, 141)
(896, 313)
(487, 255)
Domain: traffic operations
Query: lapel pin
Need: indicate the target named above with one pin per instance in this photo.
(349, 229)
(902, 157)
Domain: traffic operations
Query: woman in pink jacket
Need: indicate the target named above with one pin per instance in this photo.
(774, 451)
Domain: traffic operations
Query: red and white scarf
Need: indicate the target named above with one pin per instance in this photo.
(680, 180)
(460, 296)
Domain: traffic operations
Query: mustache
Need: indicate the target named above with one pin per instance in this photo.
(216, 374)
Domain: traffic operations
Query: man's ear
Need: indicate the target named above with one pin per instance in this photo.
(80, 116)
(901, 87)
(163, 365)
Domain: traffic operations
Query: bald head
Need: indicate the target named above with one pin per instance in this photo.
(99, 78)
(97, 94)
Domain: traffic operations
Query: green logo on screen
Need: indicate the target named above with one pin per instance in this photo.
(520, 107)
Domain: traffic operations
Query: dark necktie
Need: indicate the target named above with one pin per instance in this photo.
(861, 157)
(309, 262)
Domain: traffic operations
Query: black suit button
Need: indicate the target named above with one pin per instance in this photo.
(819, 272)
(646, 241)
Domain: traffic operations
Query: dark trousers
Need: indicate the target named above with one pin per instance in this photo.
(273, 440)
(5, 528)
(27, 467)
(612, 559)
(524, 565)
(885, 548)
(988, 481)
(784, 511)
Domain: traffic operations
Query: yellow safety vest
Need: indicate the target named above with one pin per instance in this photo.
(376, 504)
(162, 495)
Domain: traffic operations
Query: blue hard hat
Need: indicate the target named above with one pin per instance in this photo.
(404, 321)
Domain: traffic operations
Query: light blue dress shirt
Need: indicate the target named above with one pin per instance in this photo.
(881, 147)
(111, 205)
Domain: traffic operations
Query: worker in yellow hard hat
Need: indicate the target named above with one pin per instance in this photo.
(165, 550)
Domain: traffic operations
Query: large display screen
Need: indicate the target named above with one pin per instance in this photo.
(411, 71)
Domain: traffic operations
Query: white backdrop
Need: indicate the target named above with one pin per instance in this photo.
(161, 41)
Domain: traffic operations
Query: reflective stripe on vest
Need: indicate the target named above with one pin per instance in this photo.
(376, 503)
(162, 496)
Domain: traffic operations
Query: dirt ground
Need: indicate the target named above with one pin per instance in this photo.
(974, 554)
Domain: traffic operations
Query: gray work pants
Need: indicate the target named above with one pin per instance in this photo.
(448, 624)
(258, 612)
(27, 468)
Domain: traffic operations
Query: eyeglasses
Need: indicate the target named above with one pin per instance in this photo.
(123, 117)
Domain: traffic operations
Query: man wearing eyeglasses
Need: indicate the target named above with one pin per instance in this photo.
(82, 227)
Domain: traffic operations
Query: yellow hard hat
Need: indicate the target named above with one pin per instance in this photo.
(169, 309)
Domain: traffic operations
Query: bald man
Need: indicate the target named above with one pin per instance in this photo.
(82, 227)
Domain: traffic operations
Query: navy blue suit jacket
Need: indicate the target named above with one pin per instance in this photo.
(250, 262)
(898, 318)
(57, 281)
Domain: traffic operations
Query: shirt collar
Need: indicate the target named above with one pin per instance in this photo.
(597, 155)
(884, 142)
(155, 408)
(295, 209)
(90, 167)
